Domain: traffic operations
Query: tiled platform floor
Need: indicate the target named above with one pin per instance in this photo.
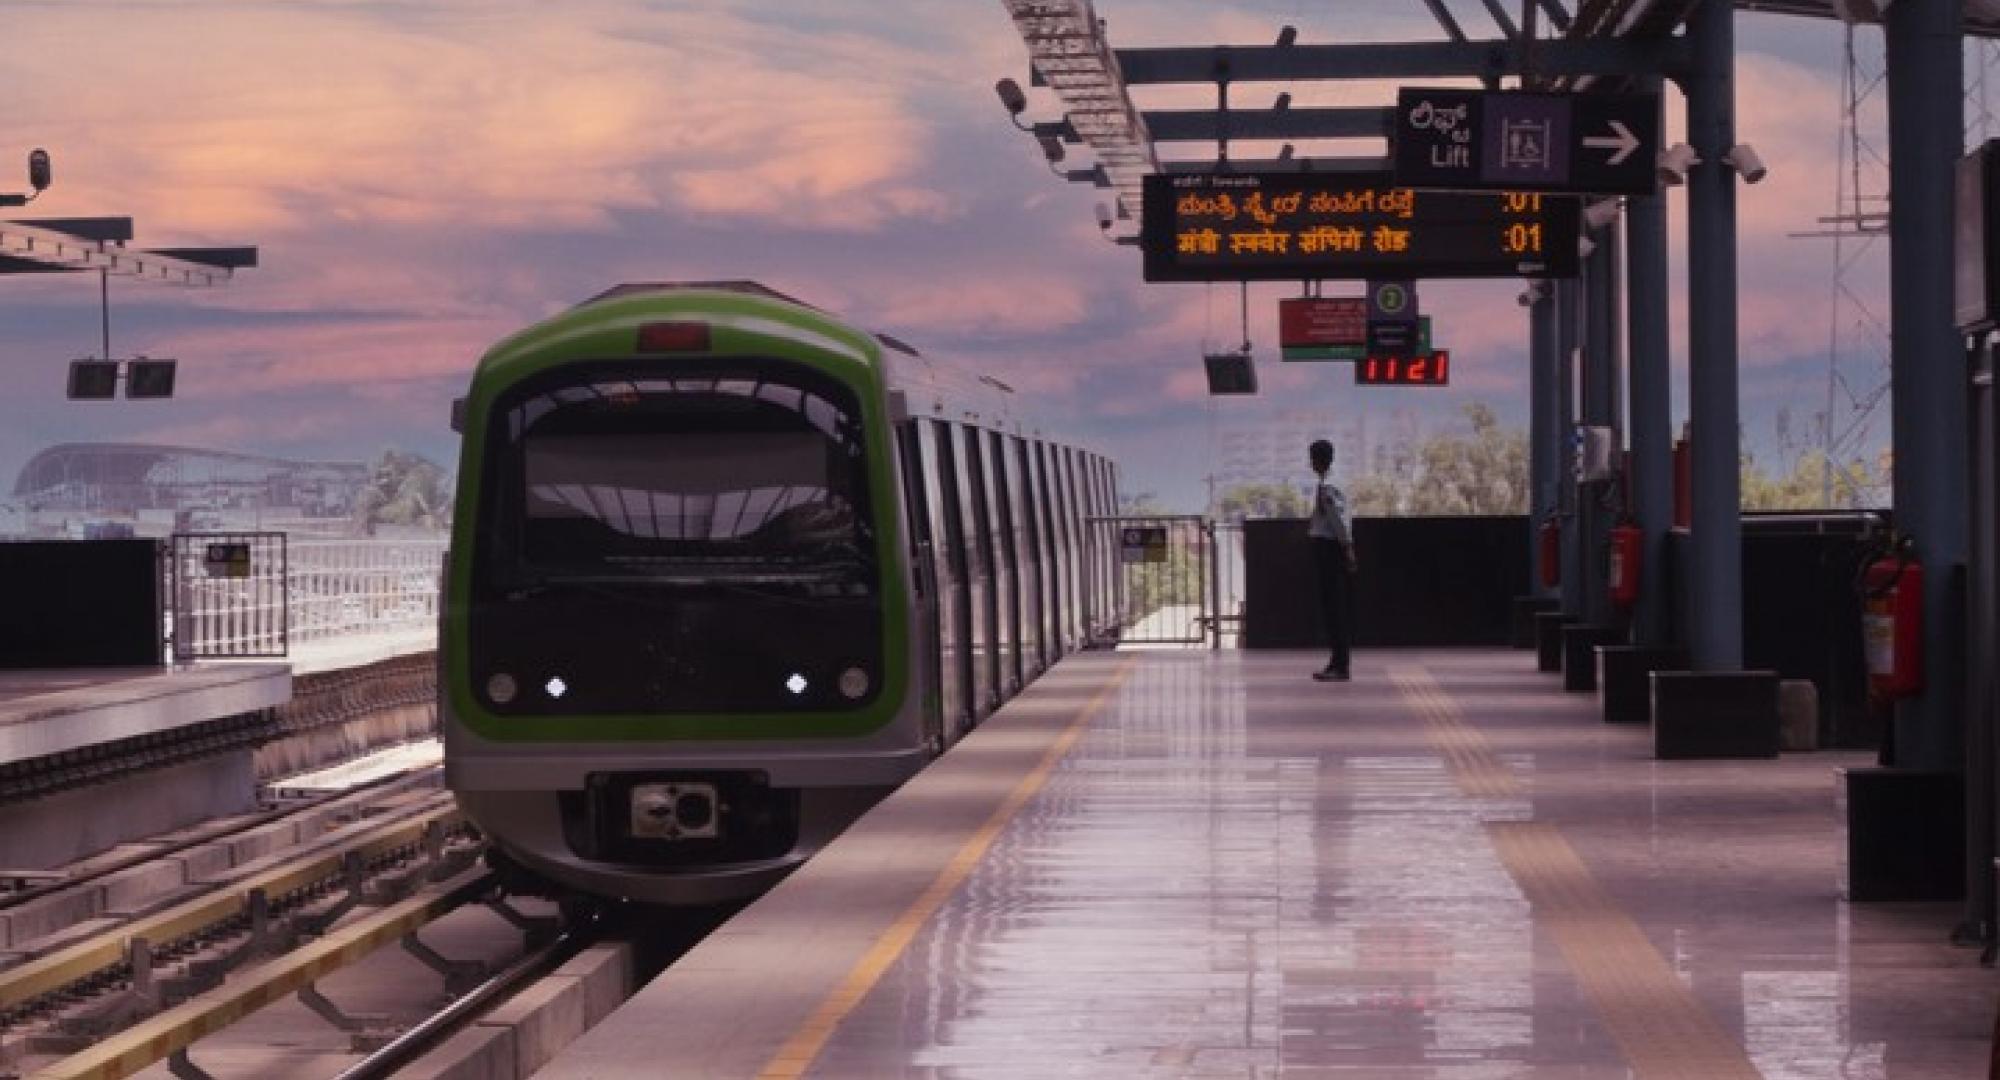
(1445, 869)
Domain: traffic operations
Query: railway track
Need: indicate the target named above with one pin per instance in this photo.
(323, 905)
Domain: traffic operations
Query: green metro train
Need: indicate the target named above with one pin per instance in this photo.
(726, 570)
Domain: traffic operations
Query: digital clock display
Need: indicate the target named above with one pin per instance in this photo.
(1308, 226)
(1431, 369)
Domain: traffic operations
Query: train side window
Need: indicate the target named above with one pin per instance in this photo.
(916, 515)
(1052, 560)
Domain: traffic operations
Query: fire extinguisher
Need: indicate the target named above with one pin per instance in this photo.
(1628, 545)
(1892, 622)
(1551, 552)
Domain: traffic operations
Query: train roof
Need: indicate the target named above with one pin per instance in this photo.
(927, 386)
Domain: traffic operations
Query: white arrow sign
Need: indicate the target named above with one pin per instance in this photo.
(1621, 140)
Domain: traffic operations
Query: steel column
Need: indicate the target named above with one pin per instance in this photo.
(1928, 375)
(1600, 404)
(1568, 310)
(1544, 432)
(1715, 571)
(1652, 411)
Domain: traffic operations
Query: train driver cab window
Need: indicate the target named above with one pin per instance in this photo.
(754, 479)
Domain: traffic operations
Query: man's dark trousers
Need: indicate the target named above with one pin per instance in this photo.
(1330, 560)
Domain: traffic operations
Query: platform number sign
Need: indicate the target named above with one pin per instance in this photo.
(1142, 544)
(227, 560)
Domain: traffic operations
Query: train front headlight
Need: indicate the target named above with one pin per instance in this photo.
(854, 684)
(501, 688)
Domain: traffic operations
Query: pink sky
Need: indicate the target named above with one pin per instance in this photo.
(425, 177)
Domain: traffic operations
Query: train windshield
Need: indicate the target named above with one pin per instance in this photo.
(727, 479)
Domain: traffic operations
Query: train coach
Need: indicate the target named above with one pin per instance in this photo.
(726, 570)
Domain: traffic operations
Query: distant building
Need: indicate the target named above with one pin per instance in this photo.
(133, 480)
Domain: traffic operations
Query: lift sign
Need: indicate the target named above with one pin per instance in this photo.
(1142, 544)
(1312, 226)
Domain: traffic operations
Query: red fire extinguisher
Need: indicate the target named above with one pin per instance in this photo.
(1892, 622)
(1628, 545)
(1551, 552)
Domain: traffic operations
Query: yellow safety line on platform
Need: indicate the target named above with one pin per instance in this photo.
(1658, 1024)
(799, 1051)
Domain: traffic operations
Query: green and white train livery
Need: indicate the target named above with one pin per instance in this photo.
(725, 571)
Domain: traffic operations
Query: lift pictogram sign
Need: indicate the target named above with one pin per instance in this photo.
(1514, 141)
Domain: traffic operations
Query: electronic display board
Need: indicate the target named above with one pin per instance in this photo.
(1305, 226)
(1428, 369)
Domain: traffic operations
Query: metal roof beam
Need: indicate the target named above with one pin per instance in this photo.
(1558, 17)
(1507, 28)
(1444, 19)
(1331, 123)
(1398, 60)
(1315, 165)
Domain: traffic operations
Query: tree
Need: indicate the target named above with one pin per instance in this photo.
(1484, 471)
(404, 489)
(1262, 501)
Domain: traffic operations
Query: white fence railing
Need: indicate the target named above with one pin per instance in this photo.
(278, 593)
(347, 587)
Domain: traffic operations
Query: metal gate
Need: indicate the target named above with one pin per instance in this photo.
(231, 595)
(1163, 581)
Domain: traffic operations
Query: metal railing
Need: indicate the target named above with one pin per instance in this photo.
(1162, 591)
(245, 595)
(228, 595)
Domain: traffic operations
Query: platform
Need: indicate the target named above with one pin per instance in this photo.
(52, 712)
(1204, 864)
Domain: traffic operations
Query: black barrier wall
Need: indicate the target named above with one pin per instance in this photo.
(1433, 581)
(90, 603)
(1801, 614)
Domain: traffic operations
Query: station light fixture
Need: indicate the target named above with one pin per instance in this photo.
(93, 380)
(1743, 158)
(1012, 99)
(1287, 35)
(1675, 162)
(148, 378)
(39, 175)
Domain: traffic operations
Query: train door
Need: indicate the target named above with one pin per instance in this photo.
(941, 487)
(1006, 578)
(1051, 554)
(1028, 545)
(1079, 564)
(985, 593)
(926, 663)
(1065, 547)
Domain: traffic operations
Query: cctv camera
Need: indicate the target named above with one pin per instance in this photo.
(1584, 246)
(1675, 161)
(1747, 164)
(1011, 97)
(1601, 213)
(1052, 148)
(1104, 217)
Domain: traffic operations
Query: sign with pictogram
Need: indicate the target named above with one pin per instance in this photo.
(1392, 318)
(1142, 544)
(1518, 141)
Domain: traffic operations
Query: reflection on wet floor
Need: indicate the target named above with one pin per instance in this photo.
(1446, 869)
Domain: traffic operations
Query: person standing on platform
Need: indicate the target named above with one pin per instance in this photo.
(1333, 559)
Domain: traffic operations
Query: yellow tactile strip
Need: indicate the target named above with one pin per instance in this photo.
(1658, 1024)
(799, 1051)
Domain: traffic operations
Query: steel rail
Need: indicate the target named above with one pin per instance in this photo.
(434, 1029)
(36, 978)
(159, 1037)
(201, 836)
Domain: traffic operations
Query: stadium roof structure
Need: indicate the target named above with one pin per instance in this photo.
(131, 476)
